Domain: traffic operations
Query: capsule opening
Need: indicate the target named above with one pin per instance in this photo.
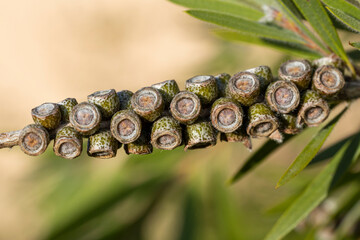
(185, 106)
(284, 96)
(126, 128)
(330, 79)
(295, 68)
(147, 100)
(32, 142)
(315, 115)
(200, 79)
(45, 109)
(68, 149)
(84, 116)
(263, 128)
(226, 117)
(166, 141)
(245, 83)
(101, 93)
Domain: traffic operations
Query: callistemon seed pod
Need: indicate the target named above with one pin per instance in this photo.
(66, 107)
(68, 143)
(296, 71)
(244, 87)
(141, 146)
(85, 118)
(125, 99)
(166, 133)
(107, 101)
(262, 121)
(34, 139)
(328, 80)
(204, 87)
(148, 103)
(313, 110)
(226, 115)
(264, 73)
(332, 60)
(282, 96)
(48, 115)
(237, 136)
(185, 107)
(126, 126)
(102, 145)
(200, 135)
(222, 80)
(288, 124)
(168, 89)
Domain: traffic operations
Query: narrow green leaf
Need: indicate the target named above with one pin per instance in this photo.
(291, 49)
(344, 6)
(315, 13)
(355, 45)
(349, 221)
(309, 152)
(223, 6)
(245, 26)
(315, 193)
(348, 21)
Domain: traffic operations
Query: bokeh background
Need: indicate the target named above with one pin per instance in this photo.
(55, 49)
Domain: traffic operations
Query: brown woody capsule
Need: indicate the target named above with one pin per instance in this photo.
(264, 73)
(262, 121)
(226, 115)
(296, 71)
(102, 145)
(313, 111)
(48, 115)
(244, 87)
(34, 139)
(168, 89)
(328, 80)
(125, 99)
(141, 146)
(204, 87)
(288, 124)
(68, 143)
(66, 107)
(282, 96)
(237, 136)
(85, 118)
(332, 60)
(126, 126)
(200, 135)
(222, 81)
(185, 107)
(166, 133)
(107, 101)
(148, 103)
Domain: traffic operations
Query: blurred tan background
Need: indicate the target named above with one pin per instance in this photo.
(55, 49)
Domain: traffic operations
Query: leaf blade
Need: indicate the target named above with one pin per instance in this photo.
(344, 6)
(348, 21)
(355, 45)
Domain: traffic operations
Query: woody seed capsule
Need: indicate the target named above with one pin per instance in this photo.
(313, 111)
(34, 139)
(66, 107)
(262, 121)
(185, 107)
(48, 115)
(226, 115)
(85, 118)
(102, 145)
(296, 71)
(328, 80)
(125, 99)
(221, 82)
(141, 146)
(264, 74)
(288, 124)
(204, 87)
(148, 103)
(282, 96)
(200, 135)
(168, 89)
(237, 136)
(166, 133)
(244, 87)
(107, 101)
(68, 143)
(126, 126)
(332, 60)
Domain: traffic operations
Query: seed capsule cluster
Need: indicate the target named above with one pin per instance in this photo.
(250, 104)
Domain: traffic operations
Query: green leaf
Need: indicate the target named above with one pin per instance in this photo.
(348, 21)
(309, 152)
(291, 49)
(259, 156)
(349, 221)
(223, 6)
(344, 6)
(245, 26)
(316, 15)
(355, 45)
(316, 191)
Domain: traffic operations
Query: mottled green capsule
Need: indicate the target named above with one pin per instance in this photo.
(166, 133)
(296, 71)
(68, 143)
(264, 74)
(126, 126)
(204, 87)
(85, 118)
(262, 121)
(185, 107)
(226, 115)
(332, 60)
(313, 110)
(107, 101)
(125, 99)
(168, 89)
(102, 145)
(244, 87)
(34, 139)
(328, 81)
(66, 107)
(221, 82)
(282, 96)
(148, 103)
(141, 146)
(237, 136)
(48, 115)
(200, 135)
(288, 124)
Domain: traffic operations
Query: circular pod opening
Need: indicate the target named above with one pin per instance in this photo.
(32, 142)
(263, 129)
(328, 80)
(315, 115)
(226, 116)
(125, 126)
(85, 117)
(200, 79)
(45, 109)
(295, 68)
(283, 96)
(69, 150)
(102, 93)
(167, 141)
(245, 83)
(185, 107)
